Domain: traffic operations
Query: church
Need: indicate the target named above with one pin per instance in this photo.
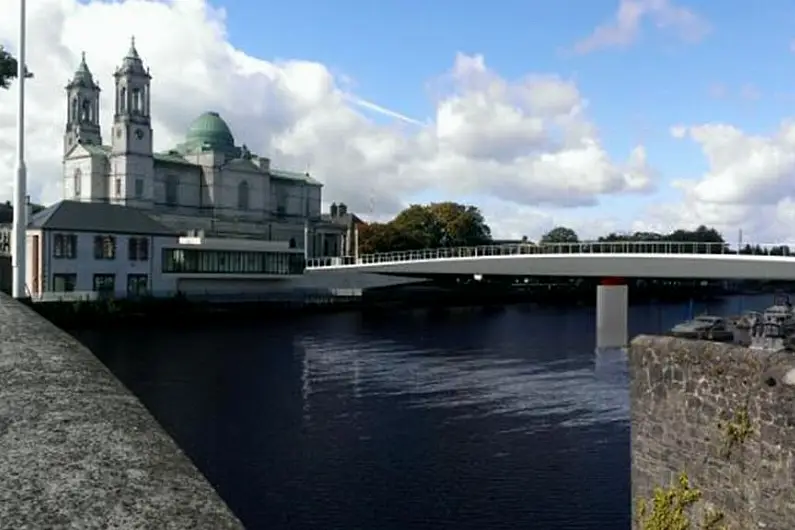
(205, 185)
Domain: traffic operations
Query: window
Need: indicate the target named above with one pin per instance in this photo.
(104, 247)
(64, 246)
(137, 284)
(172, 188)
(105, 283)
(242, 196)
(232, 262)
(138, 249)
(77, 182)
(117, 186)
(64, 283)
(139, 188)
(136, 101)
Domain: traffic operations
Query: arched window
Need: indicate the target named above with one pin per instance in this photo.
(242, 196)
(86, 111)
(292, 242)
(76, 182)
(172, 189)
(136, 101)
(123, 100)
(74, 110)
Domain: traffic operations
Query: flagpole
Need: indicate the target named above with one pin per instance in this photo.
(20, 185)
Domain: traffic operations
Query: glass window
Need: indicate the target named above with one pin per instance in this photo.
(104, 283)
(58, 246)
(70, 246)
(229, 262)
(132, 249)
(64, 283)
(172, 190)
(137, 284)
(139, 188)
(104, 247)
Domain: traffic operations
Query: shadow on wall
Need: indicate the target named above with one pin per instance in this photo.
(5, 274)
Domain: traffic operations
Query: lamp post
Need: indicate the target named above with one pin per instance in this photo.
(20, 214)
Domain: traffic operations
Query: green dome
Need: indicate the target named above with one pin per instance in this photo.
(211, 132)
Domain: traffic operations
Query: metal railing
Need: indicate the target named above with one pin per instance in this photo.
(598, 247)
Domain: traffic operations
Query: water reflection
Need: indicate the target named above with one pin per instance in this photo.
(460, 420)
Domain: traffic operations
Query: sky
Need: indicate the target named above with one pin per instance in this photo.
(600, 115)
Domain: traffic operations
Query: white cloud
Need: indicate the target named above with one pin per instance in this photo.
(627, 22)
(526, 142)
(749, 185)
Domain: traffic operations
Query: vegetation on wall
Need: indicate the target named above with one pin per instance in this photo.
(736, 431)
(670, 509)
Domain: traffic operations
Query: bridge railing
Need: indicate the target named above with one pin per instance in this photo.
(596, 247)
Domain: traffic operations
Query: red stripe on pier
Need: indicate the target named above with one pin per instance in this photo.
(613, 281)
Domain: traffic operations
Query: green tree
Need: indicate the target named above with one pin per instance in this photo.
(446, 224)
(8, 68)
(560, 234)
(460, 225)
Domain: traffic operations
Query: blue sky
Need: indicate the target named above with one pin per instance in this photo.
(393, 50)
(282, 75)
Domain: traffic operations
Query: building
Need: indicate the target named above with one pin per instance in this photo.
(206, 183)
(98, 249)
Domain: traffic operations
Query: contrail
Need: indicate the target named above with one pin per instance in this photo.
(382, 110)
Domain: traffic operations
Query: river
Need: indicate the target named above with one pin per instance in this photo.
(465, 419)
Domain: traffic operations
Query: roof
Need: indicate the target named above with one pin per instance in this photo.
(82, 75)
(174, 156)
(210, 131)
(295, 176)
(97, 217)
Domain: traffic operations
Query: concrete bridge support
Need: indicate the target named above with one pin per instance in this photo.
(612, 298)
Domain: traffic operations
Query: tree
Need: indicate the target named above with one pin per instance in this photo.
(446, 224)
(560, 234)
(8, 68)
(460, 225)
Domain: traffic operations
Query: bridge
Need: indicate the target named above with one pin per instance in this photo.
(611, 261)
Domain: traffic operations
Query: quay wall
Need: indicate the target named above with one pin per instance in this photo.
(78, 450)
(724, 416)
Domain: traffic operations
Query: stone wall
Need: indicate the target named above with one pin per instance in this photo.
(78, 450)
(724, 416)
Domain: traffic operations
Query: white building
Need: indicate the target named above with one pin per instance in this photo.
(100, 248)
(206, 183)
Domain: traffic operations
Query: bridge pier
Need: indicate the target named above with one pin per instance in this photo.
(612, 298)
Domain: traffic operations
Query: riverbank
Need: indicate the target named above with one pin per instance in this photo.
(180, 312)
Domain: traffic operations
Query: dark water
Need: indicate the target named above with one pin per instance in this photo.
(466, 420)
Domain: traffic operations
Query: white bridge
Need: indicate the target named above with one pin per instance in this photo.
(608, 260)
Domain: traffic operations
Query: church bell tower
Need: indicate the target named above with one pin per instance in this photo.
(132, 162)
(82, 109)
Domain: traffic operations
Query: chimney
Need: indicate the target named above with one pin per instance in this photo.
(343, 209)
(334, 211)
(264, 164)
(28, 210)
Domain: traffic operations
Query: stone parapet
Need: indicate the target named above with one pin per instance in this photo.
(722, 415)
(78, 450)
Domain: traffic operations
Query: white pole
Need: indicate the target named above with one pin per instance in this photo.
(306, 240)
(20, 185)
(356, 242)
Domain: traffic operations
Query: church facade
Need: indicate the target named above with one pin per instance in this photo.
(207, 184)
